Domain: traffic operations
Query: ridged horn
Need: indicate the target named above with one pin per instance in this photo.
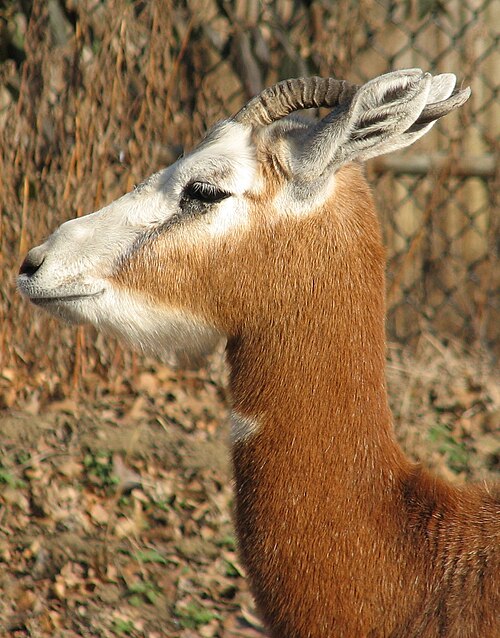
(292, 95)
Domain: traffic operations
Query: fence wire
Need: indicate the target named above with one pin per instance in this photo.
(96, 95)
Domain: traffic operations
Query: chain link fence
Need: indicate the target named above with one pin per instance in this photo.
(437, 200)
(96, 95)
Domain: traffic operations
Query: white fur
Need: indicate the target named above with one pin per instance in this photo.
(231, 215)
(242, 427)
(226, 156)
(165, 332)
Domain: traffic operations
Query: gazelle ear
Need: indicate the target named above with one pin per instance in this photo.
(387, 113)
(441, 88)
(383, 109)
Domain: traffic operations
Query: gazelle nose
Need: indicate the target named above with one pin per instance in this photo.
(33, 260)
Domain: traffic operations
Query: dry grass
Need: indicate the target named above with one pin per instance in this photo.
(109, 92)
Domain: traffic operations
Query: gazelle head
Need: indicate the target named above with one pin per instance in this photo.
(201, 249)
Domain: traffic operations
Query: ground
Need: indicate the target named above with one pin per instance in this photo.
(115, 517)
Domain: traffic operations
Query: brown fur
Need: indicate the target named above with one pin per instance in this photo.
(340, 534)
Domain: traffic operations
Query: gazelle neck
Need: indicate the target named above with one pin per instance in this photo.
(315, 377)
(316, 391)
(316, 463)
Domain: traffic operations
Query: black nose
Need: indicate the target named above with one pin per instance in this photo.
(32, 262)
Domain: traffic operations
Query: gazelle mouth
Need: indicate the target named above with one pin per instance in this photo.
(45, 301)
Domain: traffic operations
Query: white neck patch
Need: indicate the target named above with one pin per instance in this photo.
(242, 427)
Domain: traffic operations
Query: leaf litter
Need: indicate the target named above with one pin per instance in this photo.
(115, 515)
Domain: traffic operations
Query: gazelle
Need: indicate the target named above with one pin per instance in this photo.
(266, 233)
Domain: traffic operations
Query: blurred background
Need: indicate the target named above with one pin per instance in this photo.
(96, 95)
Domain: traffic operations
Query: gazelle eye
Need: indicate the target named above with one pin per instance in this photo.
(205, 192)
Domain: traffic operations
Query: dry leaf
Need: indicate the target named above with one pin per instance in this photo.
(99, 513)
(127, 478)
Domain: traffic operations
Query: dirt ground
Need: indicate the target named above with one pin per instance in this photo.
(115, 517)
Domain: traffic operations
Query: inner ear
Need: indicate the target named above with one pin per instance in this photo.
(369, 129)
(388, 105)
(387, 92)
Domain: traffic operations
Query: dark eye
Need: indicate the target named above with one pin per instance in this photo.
(205, 192)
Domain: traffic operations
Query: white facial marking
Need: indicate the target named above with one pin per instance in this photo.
(169, 334)
(242, 427)
(226, 156)
(161, 331)
(229, 216)
(225, 159)
(83, 252)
